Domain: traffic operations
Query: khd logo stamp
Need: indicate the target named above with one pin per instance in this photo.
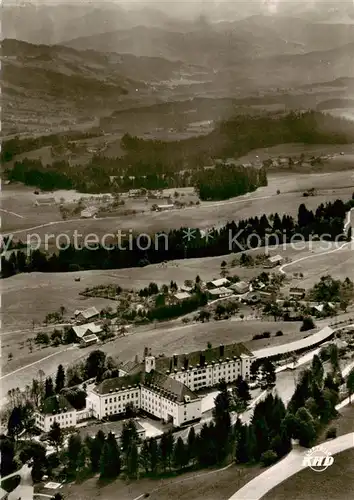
(318, 459)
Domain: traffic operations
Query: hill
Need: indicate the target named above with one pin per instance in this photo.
(51, 86)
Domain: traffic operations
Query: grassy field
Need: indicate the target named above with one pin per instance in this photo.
(206, 485)
(165, 338)
(329, 187)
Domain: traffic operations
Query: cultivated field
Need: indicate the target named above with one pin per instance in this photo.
(165, 338)
(329, 186)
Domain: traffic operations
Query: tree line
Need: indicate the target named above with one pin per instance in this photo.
(328, 220)
(154, 164)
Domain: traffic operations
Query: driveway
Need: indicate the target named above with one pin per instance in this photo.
(290, 465)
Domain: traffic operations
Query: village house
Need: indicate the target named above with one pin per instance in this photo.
(41, 202)
(273, 261)
(218, 293)
(181, 296)
(89, 314)
(87, 334)
(89, 212)
(218, 283)
(55, 409)
(240, 288)
(162, 208)
(297, 293)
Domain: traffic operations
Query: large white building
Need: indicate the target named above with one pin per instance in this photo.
(164, 386)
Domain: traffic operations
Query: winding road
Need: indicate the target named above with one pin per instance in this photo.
(343, 245)
(290, 465)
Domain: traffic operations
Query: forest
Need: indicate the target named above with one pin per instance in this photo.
(154, 164)
(328, 219)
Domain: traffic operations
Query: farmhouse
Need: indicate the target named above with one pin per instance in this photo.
(87, 334)
(218, 293)
(87, 315)
(273, 261)
(55, 409)
(241, 287)
(218, 283)
(134, 193)
(89, 212)
(180, 296)
(40, 202)
(297, 293)
(162, 208)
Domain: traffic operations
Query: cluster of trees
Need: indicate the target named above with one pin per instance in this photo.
(224, 182)
(16, 146)
(154, 164)
(168, 311)
(248, 232)
(329, 289)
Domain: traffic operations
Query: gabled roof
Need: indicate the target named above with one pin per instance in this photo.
(56, 404)
(160, 382)
(118, 383)
(89, 313)
(220, 282)
(45, 201)
(275, 258)
(164, 364)
(240, 287)
(90, 328)
(182, 295)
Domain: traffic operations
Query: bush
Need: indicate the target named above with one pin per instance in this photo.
(331, 433)
(279, 334)
(266, 335)
(307, 324)
(268, 458)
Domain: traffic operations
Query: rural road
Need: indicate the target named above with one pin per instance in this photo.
(240, 199)
(290, 465)
(346, 226)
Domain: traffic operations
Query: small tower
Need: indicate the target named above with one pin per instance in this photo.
(150, 363)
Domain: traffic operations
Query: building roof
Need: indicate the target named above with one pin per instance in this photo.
(240, 287)
(89, 313)
(297, 290)
(220, 282)
(275, 258)
(179, 361)
(45, 201)
(115, 427)
(90, 338)
(56, 404)
(170, 388)
(182, 295)
(91, 328)
(220, 291)
(118, 383)
(298, 345)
